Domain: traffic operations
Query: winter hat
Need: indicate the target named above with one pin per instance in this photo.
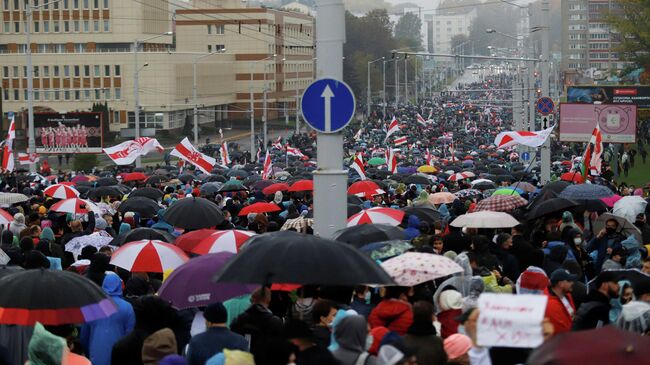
(216, 313)
(19, 218)
(532, 281)
(457, 345)
(42, 210)
(450, 299)
(160, 344)
(100, 224)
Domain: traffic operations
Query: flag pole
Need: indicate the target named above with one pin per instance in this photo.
(526, 170)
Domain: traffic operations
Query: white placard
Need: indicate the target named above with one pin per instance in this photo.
(508, 320)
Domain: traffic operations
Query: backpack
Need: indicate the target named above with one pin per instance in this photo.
(361, 360)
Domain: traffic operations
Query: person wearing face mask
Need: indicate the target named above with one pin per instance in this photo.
(616, 259)
(604, 241)
(575, 243)
(351, 334)
(323, 313)
(594, 312)
(643, 226)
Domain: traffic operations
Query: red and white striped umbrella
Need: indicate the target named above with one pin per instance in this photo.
(61, 191)
(5, 218)
(461, 176)
(148, 256)
(223, 241)
(75, 206)
(377, 215)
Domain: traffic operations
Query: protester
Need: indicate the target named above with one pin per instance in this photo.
(594, 312)
(560, 308)
(394, 311)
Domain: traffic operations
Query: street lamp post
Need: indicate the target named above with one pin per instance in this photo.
(406, 79)
(194, 97)
(369, 101)
(136, 94)
(252, 105)
(383, 88)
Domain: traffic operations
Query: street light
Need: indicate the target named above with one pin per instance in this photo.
(368, 90)
(517, 38)
(136, 76)
(194, 97)
(252, 107)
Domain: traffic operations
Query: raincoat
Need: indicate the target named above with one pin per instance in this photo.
(350, 334)
(635, 317)
(413, 229)
(461, 281)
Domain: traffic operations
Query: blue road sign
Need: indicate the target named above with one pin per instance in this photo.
(545, 105)
(525, 156)
(328, 105)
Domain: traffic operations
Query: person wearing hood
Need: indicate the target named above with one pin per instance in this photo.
(98, 337)
(594, 312)
(625, 295)
(616, 259)
(607, 238)
(394, 311)
(521, 248)
(635, 315)
(456, 241)
(99, 264)
(161, 224)
(18, 224)
(159, 345)
(555, 259)
(461, 282)
(413, 229)
(46, 348)
(450, 303)
(422, 335)
(351, 334)
(506, 259)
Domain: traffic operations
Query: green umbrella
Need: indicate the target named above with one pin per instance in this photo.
(233, 185)
(376, 161)
(505, 191)
(386, 249)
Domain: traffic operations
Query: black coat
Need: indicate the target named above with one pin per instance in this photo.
(262, 326)
(594, 311)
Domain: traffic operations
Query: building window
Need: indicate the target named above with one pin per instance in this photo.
(37, 27)
(16, 95)
(6, 26)
(85, 4)
(5, 4)
(77, 71)
(80, 47)
(16, 5)
(117, 70)
(97, 94)
(96, 71)
(65, 4)
(106, 25)
(95, 26)
(219, 29)
(118, 93)
(219, 47)
(105, 4)
(86, 94)
(107, 70)
(76, 25)
(107, 93)
(35, 71)
(46, 71)
(5, 94)
(66, 71)
(75, 4)
(16, 27)
(66, 26)
(86, 71)
(209, 48)
(5, 71)
(57, 95)
(77, 95)
(37, 95)
(24, 71)
(46, 26)
(56, 71)
(25, 95)
(56, 26)
(209, 28)
(86, 26)
(95, 4)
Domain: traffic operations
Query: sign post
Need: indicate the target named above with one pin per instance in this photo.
(545, 107)
(330, 180)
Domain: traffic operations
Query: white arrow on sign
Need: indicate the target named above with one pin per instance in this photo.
(328, 95)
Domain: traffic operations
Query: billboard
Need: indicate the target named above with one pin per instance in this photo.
(617, 122)
(631, 95)
(68, 132)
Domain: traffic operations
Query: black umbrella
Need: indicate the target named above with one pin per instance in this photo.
(240, 174)
(549, 206)
(552, 190)
(292, 257)
(194, 213)
(353, 199)
(185, 178)
(425, 214)
(140, 204)
(498, 171)
(364, 234)
(104, 191)
(156, 179)
(51, 297)
(8, 270)
(148, 192)
(211, 187)
(233, 185)
(215, 178)
(142, 233)
(252, 179)
(106, 181)
(417, 179)
(353, 209)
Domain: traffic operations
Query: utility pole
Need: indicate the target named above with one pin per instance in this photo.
(330, 180)
(31, 138)
(416, 80)
(406, 79)
(383, 92)
(546, 147)
(396, 82)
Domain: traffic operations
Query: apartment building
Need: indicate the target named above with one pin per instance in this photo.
(83, 53)
(442, 26)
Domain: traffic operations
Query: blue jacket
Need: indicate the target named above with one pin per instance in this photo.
(98, 337)
(211, 342)
(413, 229)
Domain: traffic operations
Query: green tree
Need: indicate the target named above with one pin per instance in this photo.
(407, 31)
(632, 21)
(84, 161)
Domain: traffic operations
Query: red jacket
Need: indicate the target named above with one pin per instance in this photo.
(393, 314)
(448, 322)
(558, 315)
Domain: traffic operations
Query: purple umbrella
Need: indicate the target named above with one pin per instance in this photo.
(189, 286)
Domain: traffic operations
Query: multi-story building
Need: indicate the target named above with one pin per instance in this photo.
(588, 42)
(442, 26)
(83, 53)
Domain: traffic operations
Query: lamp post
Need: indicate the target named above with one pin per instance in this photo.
(368, 89)
(406, 79)
(136, 76)
(194, 97)
(252, 105)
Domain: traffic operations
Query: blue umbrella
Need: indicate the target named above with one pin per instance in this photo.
(586, 192)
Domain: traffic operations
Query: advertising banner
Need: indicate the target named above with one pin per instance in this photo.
(633, 95)
(68, 133)
(617, 122)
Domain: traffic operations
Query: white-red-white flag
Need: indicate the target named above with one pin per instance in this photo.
(295, 152)
(420, 120)
(428, 157)
(391, 161)
(278, 145)
(225, 156)
(393, 127)
(357, 165)
(8, 163)
(28, 158)
(358, 135)
(400, 141)
(267, 172)
(592, 161)
(527, 138)
(126, 152)
(188, 153)
(11, 134)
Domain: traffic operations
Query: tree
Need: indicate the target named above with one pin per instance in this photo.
(103, 108)
(407, 31)
(631, 22)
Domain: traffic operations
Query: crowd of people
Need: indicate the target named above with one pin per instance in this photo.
(593, 276)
